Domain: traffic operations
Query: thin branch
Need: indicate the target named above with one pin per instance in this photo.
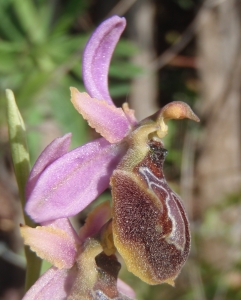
(121, 8)
(179, 45)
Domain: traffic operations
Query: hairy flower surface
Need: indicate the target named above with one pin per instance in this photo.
(150, 226)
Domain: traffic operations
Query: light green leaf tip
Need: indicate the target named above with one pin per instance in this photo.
(18, 143)
(21, 163)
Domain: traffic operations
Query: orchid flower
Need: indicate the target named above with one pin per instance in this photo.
(150, 226)
(70, 183)
(79, 263)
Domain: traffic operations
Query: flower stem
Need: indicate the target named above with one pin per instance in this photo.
(21, 163)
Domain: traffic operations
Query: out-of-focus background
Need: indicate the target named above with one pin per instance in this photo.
(186, 50)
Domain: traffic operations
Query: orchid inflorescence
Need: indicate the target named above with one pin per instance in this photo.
(146, 224)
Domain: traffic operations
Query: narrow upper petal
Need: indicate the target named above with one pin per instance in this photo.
(53, 284)
(73, 181)
(130, 114)
(108, 120)
(52, 152)
(52, 244)
(97, 56)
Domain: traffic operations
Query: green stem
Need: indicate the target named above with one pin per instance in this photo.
(21, 163)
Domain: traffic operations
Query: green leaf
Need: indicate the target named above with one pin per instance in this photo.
(7, 62)
(10, 79)
(20, 157)
(126, 48)
(68, 118)
(46, 12)
(7, 27)
(72, 10)
(10, 47)
(35, 81)
(45, 266)
(65, 50)
(18, 143)
(120, 89)
(124, 70)
(29, 19)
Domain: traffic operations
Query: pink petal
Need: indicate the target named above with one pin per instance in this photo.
(65, 225)
(73, 181)
(130, 114)
(125, 289)
(95, 220)
(53, 284)
(52, 152)
(108, 120)
(52, 244)
(97, 56)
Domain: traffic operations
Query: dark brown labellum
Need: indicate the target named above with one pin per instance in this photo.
(150, 225)
(105, 287)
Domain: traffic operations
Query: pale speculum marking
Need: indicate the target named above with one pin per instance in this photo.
(177, 235)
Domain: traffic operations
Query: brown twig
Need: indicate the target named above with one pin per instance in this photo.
(121, 8)
(167, 56)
